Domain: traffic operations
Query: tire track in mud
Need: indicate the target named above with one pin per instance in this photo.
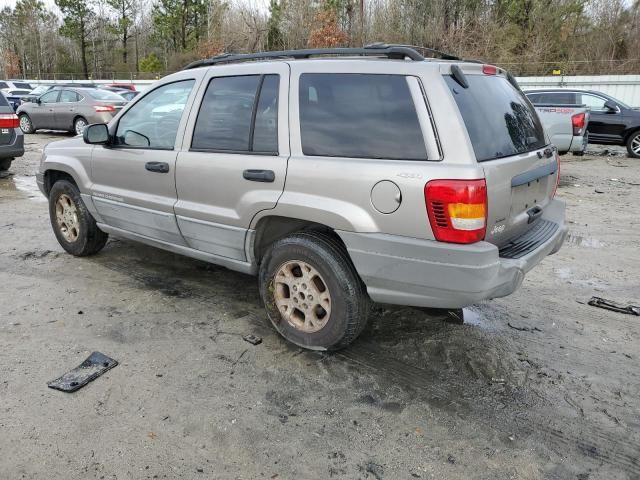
(594, 444)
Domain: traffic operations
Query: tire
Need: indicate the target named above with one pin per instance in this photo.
(5, 163)
(26, 125)
(633, 144)
(347, 309)
(76, 230)
(79, 125)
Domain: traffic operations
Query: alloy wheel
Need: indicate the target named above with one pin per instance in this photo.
(67, 218)
(302, 296)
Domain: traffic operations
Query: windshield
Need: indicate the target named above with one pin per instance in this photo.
(39, 90)
(22, 85)
(499, 119)
(105, 95)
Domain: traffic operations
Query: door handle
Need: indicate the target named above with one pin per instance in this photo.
(160, 167)
(259, 175)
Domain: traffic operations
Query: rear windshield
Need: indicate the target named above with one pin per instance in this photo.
(23, 85)
(3, 101)
(105, 95)
(499, 119)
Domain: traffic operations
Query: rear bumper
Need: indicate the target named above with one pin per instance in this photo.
(15, 148)
(410, 271)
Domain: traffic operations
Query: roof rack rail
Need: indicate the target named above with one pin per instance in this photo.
(399, 52)
(433, 51)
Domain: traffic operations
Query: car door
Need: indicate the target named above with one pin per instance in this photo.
(42, 113)
(134, 177)
(604, 124)
(233, 161)
(65, 109)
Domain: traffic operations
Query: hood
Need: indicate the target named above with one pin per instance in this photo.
(66, 144)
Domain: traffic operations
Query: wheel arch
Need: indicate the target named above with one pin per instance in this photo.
(272, 228)
(631, 132)
(51, 176)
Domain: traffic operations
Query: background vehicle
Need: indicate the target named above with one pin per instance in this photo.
(42, 89)
(611, 122)
(11, 138)
(566, 125)
(14, 97)
(124, 86)
(427, 183)
(14, 84)
(69, 109)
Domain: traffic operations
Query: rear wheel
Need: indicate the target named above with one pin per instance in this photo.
(73, 225)
(5, 163)
(633, 145)
(26, 125)
(79, 125)
(312, 293)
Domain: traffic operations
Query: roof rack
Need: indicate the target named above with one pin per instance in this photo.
(399, 52)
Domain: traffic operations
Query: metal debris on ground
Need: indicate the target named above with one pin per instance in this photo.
(252, 339)
(94, 366)
(523, 328)
(614, 306)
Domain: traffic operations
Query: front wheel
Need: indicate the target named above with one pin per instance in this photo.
(74, 227)
(633, 145)
(312, 293)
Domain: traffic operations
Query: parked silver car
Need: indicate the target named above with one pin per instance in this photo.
(338, 181)
(69, 109)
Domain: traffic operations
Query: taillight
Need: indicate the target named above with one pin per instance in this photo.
(457, 209)
(578, 120)
(9, 120)
(104, 108)
(489, 70)
(558, 175)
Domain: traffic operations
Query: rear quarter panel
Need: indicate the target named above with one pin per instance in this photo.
(337, 191)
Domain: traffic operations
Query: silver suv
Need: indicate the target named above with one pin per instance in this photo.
(371, 175)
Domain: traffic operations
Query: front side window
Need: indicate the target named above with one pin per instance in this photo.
(51, 97)
(153, 122)
(594, 102)
(239, 114)
(359, 116)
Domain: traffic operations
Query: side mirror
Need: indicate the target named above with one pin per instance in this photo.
(38, 101)
(610, 106)
(96, 134)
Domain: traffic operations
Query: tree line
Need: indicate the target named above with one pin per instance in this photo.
(148, 38)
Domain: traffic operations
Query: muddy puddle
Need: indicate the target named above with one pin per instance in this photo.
(24, 184)
(580, 241)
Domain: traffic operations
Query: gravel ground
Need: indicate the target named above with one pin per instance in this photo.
(536, 385)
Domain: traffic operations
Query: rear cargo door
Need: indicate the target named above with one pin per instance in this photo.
(509, 142)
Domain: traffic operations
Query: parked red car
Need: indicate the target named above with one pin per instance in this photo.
(126, 86)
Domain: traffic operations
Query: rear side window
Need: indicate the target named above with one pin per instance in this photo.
(499, 119)
(553, 98)
(359, 115)
(239, 114)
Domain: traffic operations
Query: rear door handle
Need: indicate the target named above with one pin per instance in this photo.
(259, 175)
(160, 167)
